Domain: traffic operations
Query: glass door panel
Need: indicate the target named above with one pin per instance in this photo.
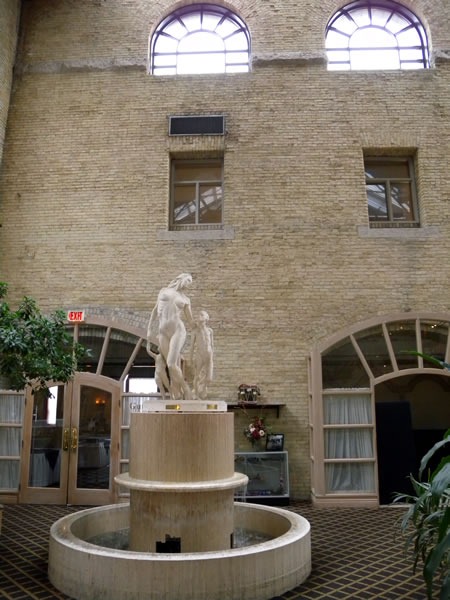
(46, 439)
(94, 438)
(45, 451)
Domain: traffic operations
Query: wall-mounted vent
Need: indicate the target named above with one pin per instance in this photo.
(197, 125)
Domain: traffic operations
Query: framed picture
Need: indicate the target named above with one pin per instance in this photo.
(275, 441)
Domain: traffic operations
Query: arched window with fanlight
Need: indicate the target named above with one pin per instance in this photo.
(376, 34)
(200, 38)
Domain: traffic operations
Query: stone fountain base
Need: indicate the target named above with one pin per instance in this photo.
(261, 571)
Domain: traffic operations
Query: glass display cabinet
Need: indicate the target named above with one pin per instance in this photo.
(268, 477)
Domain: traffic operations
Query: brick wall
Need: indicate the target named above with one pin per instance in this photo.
(84, 187)
(9, 20)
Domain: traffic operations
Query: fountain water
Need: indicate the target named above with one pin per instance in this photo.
(181, 519)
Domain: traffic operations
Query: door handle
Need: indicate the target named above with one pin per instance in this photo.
(74, 439)
(66, 438)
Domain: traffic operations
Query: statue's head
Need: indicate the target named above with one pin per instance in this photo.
(203, 316)
(182, 281)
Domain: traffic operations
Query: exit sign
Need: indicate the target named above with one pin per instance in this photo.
(75, 316)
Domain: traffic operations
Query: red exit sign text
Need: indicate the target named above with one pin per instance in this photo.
(75, 316)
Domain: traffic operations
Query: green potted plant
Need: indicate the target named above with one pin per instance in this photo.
(35, 348)
(426, 523)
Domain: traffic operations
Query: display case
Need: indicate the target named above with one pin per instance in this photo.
(268, 477)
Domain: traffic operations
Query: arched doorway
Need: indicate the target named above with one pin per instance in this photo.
(412, 414)
(75, 442)
(370, 403)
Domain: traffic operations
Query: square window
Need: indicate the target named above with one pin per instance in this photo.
(196, 194)
(391, 194)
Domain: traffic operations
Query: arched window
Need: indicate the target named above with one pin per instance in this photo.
(375, 34)
(351, 373)
(200, 38)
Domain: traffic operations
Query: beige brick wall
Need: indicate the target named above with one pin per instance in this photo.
(84, 188)
(9, 21)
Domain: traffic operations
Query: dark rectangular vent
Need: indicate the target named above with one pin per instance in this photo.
(197, 125)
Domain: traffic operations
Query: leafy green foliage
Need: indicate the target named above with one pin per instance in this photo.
(427, 520)
(34, 348)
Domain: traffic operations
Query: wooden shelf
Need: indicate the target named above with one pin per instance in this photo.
(247, 405)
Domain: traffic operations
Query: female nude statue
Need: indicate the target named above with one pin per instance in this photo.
(172, 305)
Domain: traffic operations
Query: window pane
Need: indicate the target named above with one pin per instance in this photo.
(236, 57)
(345, 408)
(402, 205)
(387, 169)
(197, 42)
(184, 205)
(336, 39)
(210, 21)
(166, 44)
(403, 339)
(192, 21)
(92, 337)
(165, 60)
(175, 29)
(198, 64)
(368, 60)
(377, 202)
(227, 27)
(237, 42)
(373, 345)
(434, 339)
(348, 477)
(397, 23)
(236, 68)
(120, 347)
(198, 172)
(9, 474)
(210, 206)
(380, 16)
(341, 367)
(348, 443)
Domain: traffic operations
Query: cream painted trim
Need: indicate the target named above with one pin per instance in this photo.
(227, 233)
(326, 343)
(403, 233)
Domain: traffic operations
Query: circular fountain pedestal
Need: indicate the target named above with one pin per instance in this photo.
(181, 481)
(181, 520)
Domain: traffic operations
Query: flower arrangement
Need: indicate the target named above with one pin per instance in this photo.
(256, 430)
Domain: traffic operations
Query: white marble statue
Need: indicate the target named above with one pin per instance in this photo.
(167, 330)
(202, 349)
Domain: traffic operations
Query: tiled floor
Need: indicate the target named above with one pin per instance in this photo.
(357, 554)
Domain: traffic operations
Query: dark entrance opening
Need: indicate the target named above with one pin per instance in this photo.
(412, 414)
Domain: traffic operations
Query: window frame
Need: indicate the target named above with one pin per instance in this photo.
(395, 8)
(216, 161)
(179, 18)
(391, 222)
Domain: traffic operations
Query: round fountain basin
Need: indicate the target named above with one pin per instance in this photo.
(86, 571)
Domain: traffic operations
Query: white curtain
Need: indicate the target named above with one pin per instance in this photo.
(349, 443)
(11, 413)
